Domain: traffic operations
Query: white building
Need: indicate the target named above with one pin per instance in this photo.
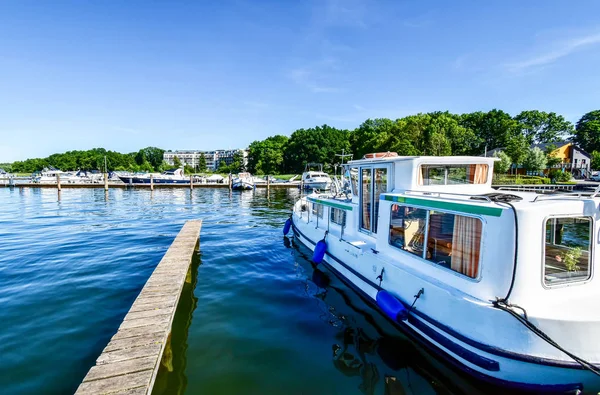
(213, 158)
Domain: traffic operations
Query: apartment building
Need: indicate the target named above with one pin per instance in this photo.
(213, 158)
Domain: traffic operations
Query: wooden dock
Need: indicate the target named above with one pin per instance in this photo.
(143, 186)
(130, 362)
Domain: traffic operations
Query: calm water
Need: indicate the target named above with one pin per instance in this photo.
(260, 319)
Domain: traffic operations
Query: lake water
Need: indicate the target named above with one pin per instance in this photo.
(260, 319)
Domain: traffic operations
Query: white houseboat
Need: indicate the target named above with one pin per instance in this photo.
(501, 285)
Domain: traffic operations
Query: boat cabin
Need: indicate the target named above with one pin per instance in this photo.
(442, 214)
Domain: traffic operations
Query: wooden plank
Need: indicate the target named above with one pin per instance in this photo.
(117, 383)
(130, 362)
(123, 367)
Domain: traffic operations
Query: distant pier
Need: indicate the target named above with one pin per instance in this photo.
(130, 362)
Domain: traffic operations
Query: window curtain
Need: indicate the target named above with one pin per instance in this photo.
(420, 177)
(465, 245)
(478, 174)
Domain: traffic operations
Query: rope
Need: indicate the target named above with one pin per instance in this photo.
(502, 305)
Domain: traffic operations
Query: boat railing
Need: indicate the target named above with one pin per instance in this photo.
(568, 196)
(451, 194)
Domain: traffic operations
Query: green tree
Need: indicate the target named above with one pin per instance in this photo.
(543, 127)
(201, 163)
(595, 162)
(266, 156)
(315, 145)
(152, 155)
(176, 162)
(587, 131)
(494, 128)
(535, 160)
(517, 149)
(502, 166)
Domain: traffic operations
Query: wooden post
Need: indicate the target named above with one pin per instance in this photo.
(151, 182)
(268, 182)
(230, 182)
(106, 181)
(11, 182)
(58, 181)
(191, 182)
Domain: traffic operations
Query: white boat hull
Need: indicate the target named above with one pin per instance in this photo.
(322, 186)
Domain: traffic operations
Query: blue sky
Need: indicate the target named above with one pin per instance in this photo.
(220, 74)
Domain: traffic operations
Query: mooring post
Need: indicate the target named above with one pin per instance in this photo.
(151, 182)
(268, 182)
(230, 182)
(11, 182)
(191, 182)
(106, 181)
(58, 181)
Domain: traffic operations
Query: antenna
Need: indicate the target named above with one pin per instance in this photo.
(342, 155)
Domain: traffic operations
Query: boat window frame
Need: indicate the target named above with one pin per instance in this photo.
(484, 223)
(592, 252)
(343, 223)
(389, 174)
(319, 210)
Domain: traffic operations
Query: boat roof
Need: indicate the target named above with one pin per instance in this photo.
(427, 160)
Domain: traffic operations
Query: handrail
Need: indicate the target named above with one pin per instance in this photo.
(439, 194)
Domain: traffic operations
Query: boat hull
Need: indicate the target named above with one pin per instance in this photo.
(318, 185)
(242, 186)
(484, 362)
(156, 180)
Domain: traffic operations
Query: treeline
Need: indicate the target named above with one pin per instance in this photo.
(146, 159)
(435, 133)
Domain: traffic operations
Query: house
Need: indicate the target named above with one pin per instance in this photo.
(572, 158)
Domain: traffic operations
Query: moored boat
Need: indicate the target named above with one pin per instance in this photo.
(172, 176)
(244, 181)
(318, 179)
(500, 285)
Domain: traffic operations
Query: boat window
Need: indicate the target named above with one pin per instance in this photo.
(380, 187)
(317, 209)
(407, 228)
(354, 180)
(453, 174)
(567, 250)
(366, 197)
(338, 216)
(453, 241)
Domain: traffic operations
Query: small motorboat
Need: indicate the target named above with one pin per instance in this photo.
(244, 181)
(316, 179)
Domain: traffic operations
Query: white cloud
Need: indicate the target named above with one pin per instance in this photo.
(561, 49)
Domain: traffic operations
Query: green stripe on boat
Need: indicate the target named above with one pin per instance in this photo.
(450, 206)
(330, 204)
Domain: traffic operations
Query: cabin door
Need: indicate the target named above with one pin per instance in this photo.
(374, 182)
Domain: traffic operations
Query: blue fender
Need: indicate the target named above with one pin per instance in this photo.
(287, 226)
(391, 306)
(319, 252)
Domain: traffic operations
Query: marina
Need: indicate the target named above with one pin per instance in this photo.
(253, 293)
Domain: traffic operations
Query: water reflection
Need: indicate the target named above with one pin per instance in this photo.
(368, 349)
(171, 377)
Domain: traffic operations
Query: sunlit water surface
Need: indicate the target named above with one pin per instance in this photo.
(260, 319)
